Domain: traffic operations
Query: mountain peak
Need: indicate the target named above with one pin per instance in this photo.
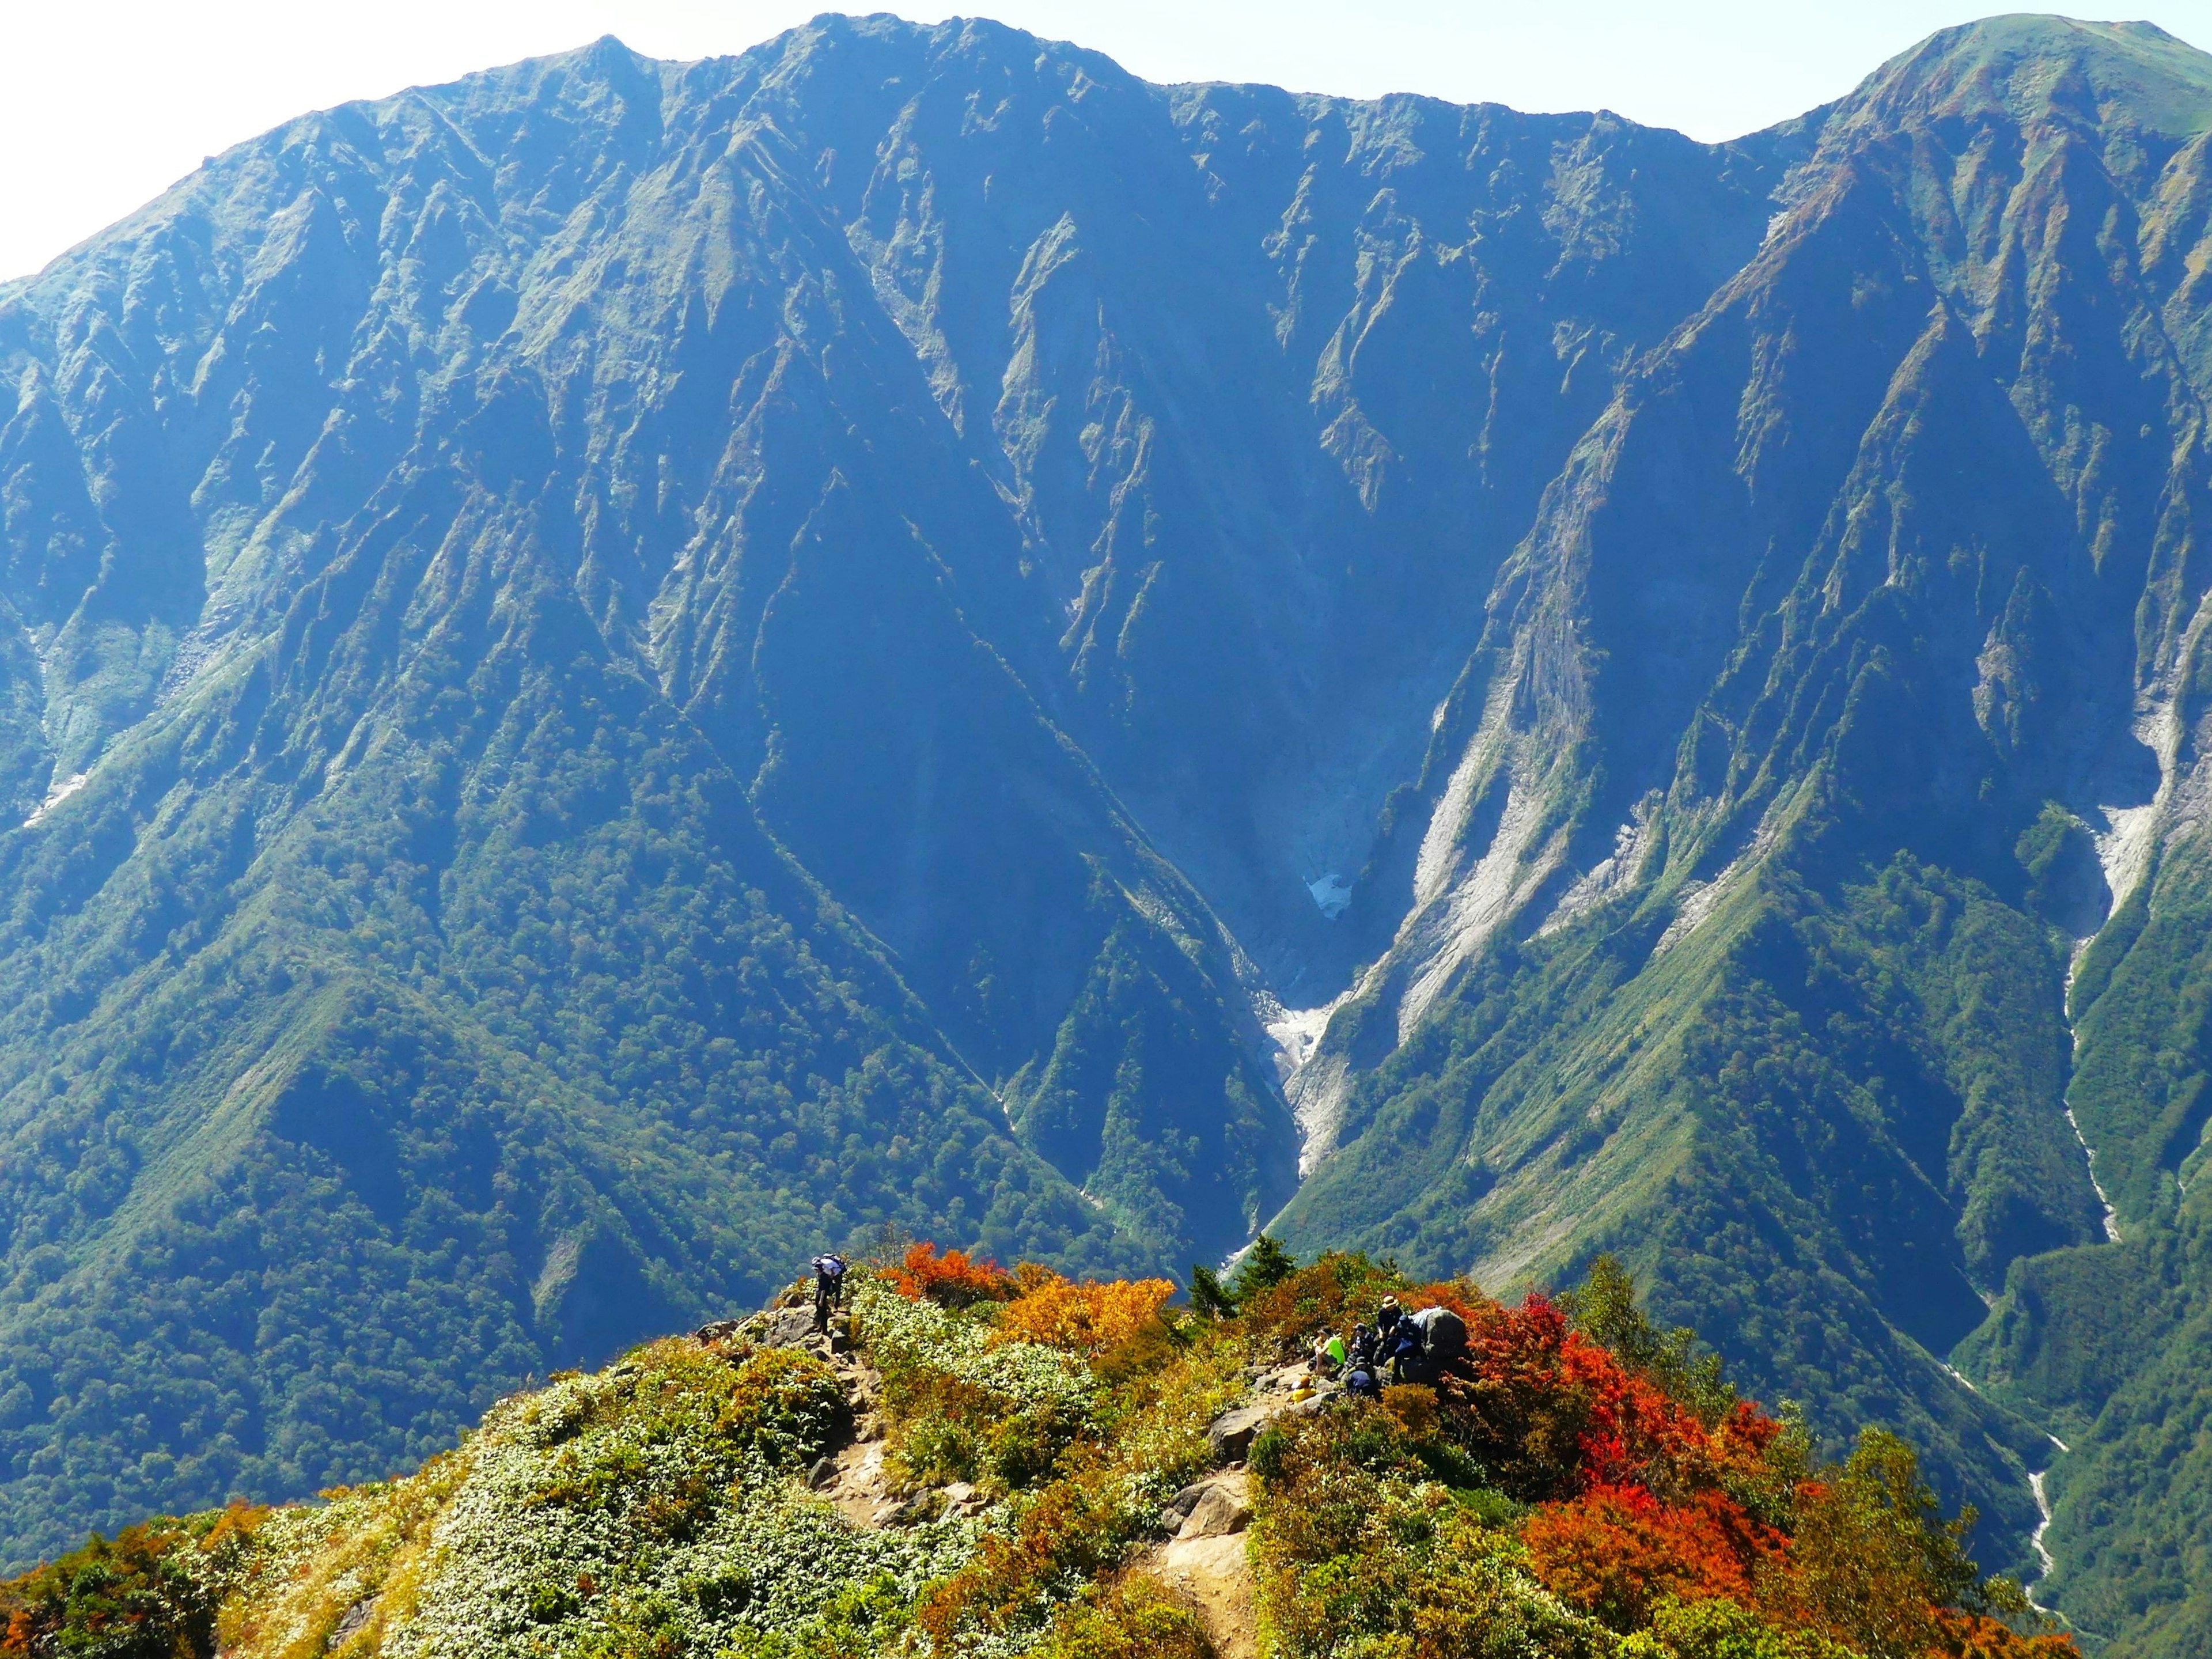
(2035, 66)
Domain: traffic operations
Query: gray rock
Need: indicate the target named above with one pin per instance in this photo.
(356, 1618)
(789, 1328)
(1184, 1501)
(1220, 1510)
(824, 1472)
(1230, 1436)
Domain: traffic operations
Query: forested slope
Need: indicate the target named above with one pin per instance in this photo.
(617, 670)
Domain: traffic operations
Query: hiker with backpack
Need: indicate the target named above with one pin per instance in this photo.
(1417, 1347)
(828, 1287)
(1406, 1352)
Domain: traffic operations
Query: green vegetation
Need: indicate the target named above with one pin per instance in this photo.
(1540, 1499)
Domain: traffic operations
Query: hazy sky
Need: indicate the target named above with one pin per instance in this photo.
(104, 103)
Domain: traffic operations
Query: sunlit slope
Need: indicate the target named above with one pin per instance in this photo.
(1842, 690)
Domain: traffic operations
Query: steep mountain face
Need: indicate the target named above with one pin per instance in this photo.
(618, 671)
(1840, 691)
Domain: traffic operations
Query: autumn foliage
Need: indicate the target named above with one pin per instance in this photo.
(1650, 1487)
(1084, 1318)
(951, 1279)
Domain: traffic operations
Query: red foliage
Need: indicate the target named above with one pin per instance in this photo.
(1637, 1486)
(951, 1279)
(1517, 1406)
(1616, 1550)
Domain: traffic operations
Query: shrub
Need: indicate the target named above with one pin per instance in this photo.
(1616, 1552)
(951, 1280)
(1357, 1554)
(1082, 1318)
(785, 1404)
(1130, 1617)
(151, 1592)
(1721, 1629)
(1075, 1527)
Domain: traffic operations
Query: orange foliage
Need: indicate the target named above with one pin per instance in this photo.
(951, 1279)
(1616, 1550)
(1086, 1318)
(1970, 1636)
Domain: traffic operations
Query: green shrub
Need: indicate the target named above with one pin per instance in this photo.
(786, 1405)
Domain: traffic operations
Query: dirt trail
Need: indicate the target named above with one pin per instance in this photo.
(1216, 1576)
(1206, 1564)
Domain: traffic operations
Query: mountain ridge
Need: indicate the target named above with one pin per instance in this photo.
(759, 604)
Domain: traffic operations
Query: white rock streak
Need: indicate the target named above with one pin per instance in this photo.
(55, 796)
(2111, 1216)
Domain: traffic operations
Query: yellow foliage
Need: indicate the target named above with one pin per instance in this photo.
(1085, 1318)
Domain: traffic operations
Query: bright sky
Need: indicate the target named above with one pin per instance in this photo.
(105, 103)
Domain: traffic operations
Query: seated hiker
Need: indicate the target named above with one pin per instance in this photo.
(1366, 1346)
(1328, 1355)
(829, 1286)
(1361, 1384)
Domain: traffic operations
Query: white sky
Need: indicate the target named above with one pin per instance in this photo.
(105, 103)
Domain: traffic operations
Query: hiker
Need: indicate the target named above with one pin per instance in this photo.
(1328, 1355)
(1386, 1322)
(829, 1286)
(1365, 1345)
(1408, 1353)
(1361, 1384)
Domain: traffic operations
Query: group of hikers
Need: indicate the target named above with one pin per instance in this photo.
(1414, 1348)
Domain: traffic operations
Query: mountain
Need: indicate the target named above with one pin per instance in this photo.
(616, 671)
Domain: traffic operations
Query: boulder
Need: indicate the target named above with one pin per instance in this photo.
(1183, 1502)
(1230, 1436)
(1221, 1509)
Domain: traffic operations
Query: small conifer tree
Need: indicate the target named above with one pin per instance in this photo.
(1265, 1266)
(1208, 1298)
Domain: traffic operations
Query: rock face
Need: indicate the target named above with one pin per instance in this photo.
(618, 671)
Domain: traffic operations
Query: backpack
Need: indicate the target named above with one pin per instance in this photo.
(831, 1267)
